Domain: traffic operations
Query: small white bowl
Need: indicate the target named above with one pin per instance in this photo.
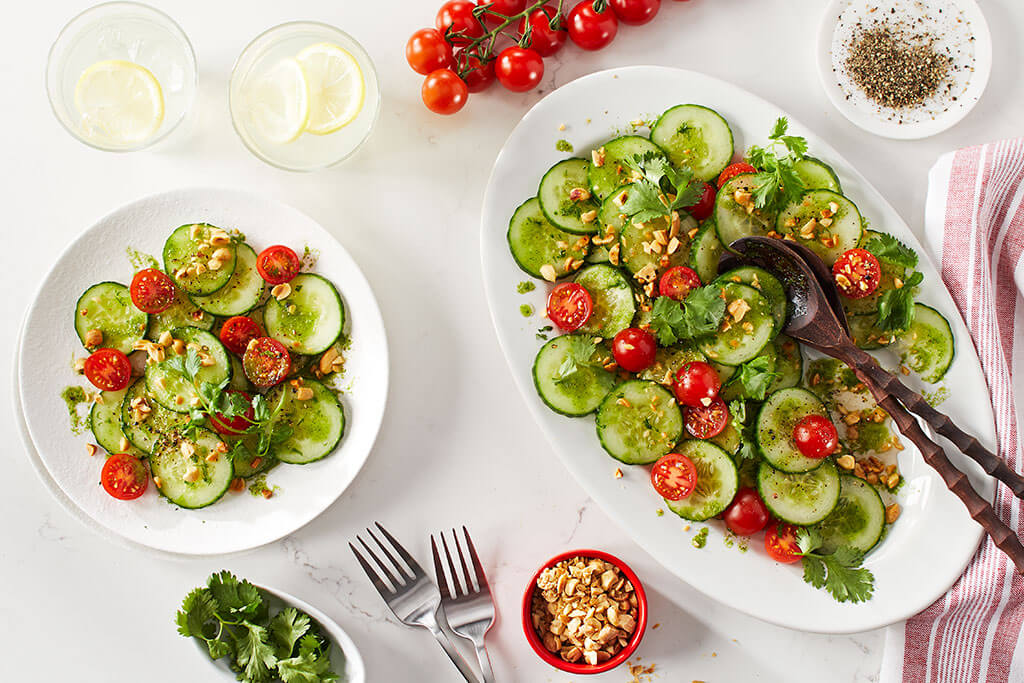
(959, 21)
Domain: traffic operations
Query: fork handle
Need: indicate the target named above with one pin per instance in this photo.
(940, 422)
(485, 662)
(453, 654)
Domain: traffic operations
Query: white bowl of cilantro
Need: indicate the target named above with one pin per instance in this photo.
(259, 634)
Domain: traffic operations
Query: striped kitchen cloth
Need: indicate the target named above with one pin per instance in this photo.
(974, 227)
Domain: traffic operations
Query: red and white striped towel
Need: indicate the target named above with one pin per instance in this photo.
(974, 227)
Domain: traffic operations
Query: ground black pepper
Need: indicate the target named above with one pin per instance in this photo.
(894, 66)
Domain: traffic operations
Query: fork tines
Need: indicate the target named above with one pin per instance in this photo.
(454, 585)
(397, 573)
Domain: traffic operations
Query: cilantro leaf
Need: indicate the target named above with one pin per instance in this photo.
(219, 648)
(780, 128)
(260, 408)
(700, 313)
(193, 364)
(808, 539)
(748, 442)
(757, 375)
(888, 248)
(647, 199)
(578, 351)
(176, 363)
(777, 182)
(643, 202)
(280, 433)
(896, 306)
(197, 609)
(286, 628)
(254, 654)
(235, 599)
(308, 667)
(666, 318)
(840, 572)
(814, 571)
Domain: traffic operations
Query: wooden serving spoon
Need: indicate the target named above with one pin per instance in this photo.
(816, 319)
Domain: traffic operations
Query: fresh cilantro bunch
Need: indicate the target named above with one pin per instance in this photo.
(777, 183)
(896, 306)
(700, 313)
(649, 196)
(839, 572)
(232, 618)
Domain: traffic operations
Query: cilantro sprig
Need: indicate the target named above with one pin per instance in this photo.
(756, 376)
(839, 572)
(896, 306)
(748, 440)
(232, 618)
(777, 183)
(659, 188)
(700, 313)
(579, 350)
(889, 249)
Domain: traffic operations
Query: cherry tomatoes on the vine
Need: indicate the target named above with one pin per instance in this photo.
(496, 10)
(634, 349)
(590, 29)
(635, 12)
(427, 51)
(458, 16)
(519, 69)
(857, 273)
(478, 75)
(816, 436)
(444, 92)
(547, 30)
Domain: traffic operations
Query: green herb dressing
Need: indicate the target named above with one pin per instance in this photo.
(564, 146)
(140, 260)
(700, 539)
(525, 287)
(74, 396)
(526, 310)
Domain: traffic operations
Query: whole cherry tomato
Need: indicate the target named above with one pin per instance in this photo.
(747, 513)
(635, 12)
(696, 384)
(444, 92)
(590, 29)
(519, 69)
(816, 436)
(634, 349)
(547, 30)
(677, 282)
(497, 10)
(478, 76)
(705, 205)
(427, 51)
(457, 22)
(857, 273)
(733, 170)
(569, 306)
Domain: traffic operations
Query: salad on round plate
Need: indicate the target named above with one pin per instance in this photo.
(687, 369)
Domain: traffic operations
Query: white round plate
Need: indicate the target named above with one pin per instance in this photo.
(958, 25)
(238, 521)
(923, 553)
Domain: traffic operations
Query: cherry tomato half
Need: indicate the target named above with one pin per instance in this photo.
(266, 362)
(590, 29)
(780, 542)
(547, 30)
(108, 369)
(233, 426)
(444, 92)
(857, 273)
(519, 69)
(705, 422)
(747, 513)
(634, 349)
(278, 264)
(635, 12)
(705, 205)
(569, 306)
(427, 51)
(696, 384)
(458, 16)
(478, 75)
(152, 291)
(816, 436)
(674, 476)
(677, 282)
(237, 332)
(733, 170)
(124, 476)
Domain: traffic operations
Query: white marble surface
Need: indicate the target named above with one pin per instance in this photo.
(457, 446)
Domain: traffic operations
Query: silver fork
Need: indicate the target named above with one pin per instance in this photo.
(412, 596)
(470, 612)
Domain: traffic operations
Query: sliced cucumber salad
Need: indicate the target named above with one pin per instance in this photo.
(214, 368)
(687, 368)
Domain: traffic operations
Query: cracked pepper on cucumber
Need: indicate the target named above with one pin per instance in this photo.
(686, 369)
(235, 351)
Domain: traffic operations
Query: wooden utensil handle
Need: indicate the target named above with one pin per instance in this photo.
(938, 421)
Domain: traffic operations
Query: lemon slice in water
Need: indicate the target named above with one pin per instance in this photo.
(120, 103)
(278, 102)
(336, 87)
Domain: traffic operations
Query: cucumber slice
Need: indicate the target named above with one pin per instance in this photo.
(638, 422)
(927, 347)
(695, 137)
(817, 175)
(145, 433)
(246, 462)
(317, 424)
(579, 393)
(614, 305)
(183, 250)
(561, 210)
(108, 307)
(170, 465)
(857, 520)
(728, 439)
(869, 303)
(766, 283)
(775, 422)
(866, 334)
(789, 363)
(535, 243)
(668, 360)
(105, 422)
(636, 257)
(799, 498)
(175, 391)
(238, 379)
(705, 252)
(734, 389)
(733, 221)
(316, 320)
(243, 291)
(717, 481)
(182, 313)
(614, 170)
(845, 228)
(737, 342)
